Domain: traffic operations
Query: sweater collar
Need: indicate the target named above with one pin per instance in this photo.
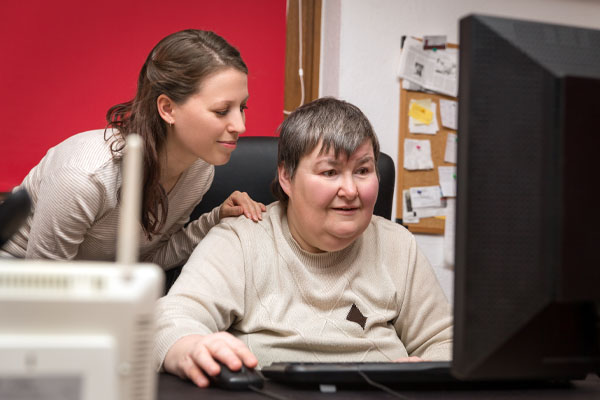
(327, 260)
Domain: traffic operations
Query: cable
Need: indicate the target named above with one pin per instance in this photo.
(267, 393)
(382, 387)
(300, 70)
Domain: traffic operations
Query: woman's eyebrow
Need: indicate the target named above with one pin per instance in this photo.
(329, 161)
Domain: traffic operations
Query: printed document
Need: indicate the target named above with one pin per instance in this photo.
(435, 70)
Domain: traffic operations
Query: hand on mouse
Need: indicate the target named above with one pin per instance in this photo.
(194, 356)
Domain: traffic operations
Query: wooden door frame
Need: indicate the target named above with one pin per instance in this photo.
(311, 52)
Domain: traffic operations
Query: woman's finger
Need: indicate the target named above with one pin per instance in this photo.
(194, 373)
(221, 350)
(242, 351)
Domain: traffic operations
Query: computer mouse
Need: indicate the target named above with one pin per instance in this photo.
(237, 380)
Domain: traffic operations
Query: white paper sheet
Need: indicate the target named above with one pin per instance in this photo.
(447, 180)
(426, 196)
(409, 216)
(415, 126)
(449, 233)
(449, 113)
(434, 70)
(417, 154)
(451, 144)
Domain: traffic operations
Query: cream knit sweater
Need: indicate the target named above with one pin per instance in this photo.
(74, 191)
(286, 304)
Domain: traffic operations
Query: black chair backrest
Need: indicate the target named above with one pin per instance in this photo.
(253, 166)
(14, 210)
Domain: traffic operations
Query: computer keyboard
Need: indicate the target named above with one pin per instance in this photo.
(352, 373)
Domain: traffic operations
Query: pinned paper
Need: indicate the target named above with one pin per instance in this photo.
(412, 214)
(423, 102)
(409, 216)
(434, 42)
(420, 113)
(448, 181)
(434, 70)
(449, 234)
(451, 143)
(417, 154)
(415, 126)
(449, 113)
(426, 196)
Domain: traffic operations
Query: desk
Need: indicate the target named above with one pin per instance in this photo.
(172, 388)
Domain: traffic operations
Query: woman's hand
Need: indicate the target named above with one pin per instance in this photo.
(194, 356)
(239, 203)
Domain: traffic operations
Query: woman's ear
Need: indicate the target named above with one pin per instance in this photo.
(284, 179)
(165, 108)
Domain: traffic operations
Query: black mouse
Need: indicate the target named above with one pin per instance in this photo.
(237, 380)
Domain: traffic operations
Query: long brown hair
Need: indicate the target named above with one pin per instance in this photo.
(175, 67)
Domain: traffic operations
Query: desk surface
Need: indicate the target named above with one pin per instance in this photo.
(171, 387)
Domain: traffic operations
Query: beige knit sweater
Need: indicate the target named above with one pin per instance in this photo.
(286, 304)
(74, 191)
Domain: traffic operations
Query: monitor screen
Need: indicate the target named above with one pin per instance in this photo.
(527, 277)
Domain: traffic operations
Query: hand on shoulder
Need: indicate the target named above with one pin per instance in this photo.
(239, 203)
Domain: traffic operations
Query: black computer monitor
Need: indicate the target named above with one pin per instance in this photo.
(527, 277)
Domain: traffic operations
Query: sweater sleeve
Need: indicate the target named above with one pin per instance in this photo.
(424, 323)
(207, 297)
(69, 202)
(176, 248)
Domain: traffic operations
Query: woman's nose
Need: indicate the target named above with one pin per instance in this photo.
(237, 123)
(348, 187)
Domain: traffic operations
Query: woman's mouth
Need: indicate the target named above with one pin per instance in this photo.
(228, 144)
(345, 210)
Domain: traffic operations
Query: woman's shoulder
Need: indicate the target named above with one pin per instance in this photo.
(92, 137)
(271, 221)
(389, 234)
(86, 154)
(89, 148)
(388, 226)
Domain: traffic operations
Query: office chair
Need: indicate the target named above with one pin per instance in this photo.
(252, 168)
(14, 210)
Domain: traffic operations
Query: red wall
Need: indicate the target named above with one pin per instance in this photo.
(64, 63)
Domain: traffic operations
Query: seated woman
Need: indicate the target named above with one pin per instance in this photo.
(318, 279)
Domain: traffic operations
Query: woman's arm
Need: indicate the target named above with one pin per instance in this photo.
(425, 321)
(177, 248)
(68, 204)
(206, 300)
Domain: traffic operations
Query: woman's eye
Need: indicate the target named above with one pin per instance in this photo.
(330, 172)
(222, 113)
(243, 107)
(363, 171)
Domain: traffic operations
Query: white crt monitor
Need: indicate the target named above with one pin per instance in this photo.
(77, 330)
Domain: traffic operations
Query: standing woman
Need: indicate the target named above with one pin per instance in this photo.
(189, 110)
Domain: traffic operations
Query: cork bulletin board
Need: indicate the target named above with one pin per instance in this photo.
(414, 178)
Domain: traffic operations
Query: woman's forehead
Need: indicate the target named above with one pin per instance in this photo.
(322, 151)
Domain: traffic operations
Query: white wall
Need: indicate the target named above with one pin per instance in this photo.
(361, 46)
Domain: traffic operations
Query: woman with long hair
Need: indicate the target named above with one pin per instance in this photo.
(189, 110)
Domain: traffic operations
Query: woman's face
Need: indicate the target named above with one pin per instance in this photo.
(208, 123)
(331, 199)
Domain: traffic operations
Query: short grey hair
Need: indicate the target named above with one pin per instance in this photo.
(337, 123)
